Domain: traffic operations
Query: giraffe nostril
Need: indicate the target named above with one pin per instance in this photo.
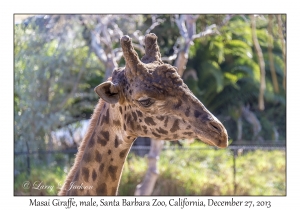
(216, 127)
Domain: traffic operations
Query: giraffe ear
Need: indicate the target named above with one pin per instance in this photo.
(108, 91)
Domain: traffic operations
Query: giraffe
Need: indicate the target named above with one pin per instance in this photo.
(145, 98)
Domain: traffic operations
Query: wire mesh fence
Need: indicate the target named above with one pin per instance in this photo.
(25, 162)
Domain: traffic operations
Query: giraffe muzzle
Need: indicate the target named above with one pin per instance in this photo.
(222, 136)
(213, 133)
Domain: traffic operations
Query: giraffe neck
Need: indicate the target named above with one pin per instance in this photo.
(99, 168)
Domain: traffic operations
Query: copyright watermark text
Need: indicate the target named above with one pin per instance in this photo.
(40, 185)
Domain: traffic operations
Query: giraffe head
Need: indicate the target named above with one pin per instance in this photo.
(153, 101)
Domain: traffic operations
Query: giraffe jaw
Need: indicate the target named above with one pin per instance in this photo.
(214, 139)
(218, 143)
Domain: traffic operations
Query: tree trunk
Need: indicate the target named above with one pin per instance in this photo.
(252, 119)
(239, 128)
(270, 53)
(261, 62)
(181, 61)
(148, 183)
(110, 65)
(283, 48)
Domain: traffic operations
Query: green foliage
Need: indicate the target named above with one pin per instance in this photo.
(42, 181)
(183, 172)
(53, 77)
(268, 175)
(210, 172)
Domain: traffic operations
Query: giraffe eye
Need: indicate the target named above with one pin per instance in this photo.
(146, 102)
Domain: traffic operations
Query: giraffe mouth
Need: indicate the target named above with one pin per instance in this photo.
(219, 140)
(217, 143)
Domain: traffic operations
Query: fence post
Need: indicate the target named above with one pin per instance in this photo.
(28, 159)
(234, 170)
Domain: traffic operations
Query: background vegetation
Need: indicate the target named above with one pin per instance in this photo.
(197, 171)
(59, 59)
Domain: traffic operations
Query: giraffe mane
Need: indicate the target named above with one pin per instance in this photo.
(79, 155)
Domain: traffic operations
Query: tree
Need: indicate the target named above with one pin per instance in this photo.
(53, 70)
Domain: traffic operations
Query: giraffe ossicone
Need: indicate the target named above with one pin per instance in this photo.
(146, 98)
